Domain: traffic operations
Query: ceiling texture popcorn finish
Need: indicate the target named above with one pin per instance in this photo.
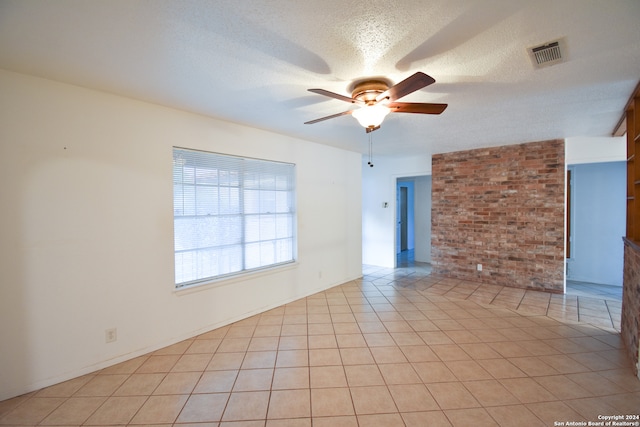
(251, 62)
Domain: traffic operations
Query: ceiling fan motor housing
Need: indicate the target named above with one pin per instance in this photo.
(368, 90)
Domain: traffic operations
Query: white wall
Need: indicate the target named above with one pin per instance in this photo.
(379, 223)
(86, 237)
(595, 149)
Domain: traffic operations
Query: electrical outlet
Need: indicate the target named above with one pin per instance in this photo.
(110, 335)
(479, 267)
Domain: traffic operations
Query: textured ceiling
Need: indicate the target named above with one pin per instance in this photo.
(252, 62)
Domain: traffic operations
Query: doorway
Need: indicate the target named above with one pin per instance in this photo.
(403, 218)
(596, 204)
(413, 219)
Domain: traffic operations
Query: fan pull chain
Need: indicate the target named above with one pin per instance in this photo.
(370, 162)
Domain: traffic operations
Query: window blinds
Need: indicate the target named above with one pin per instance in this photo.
(231, 214)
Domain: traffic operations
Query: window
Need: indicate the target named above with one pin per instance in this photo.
(231, 215)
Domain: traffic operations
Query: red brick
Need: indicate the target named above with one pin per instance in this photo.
(630, 323)
(502, 207)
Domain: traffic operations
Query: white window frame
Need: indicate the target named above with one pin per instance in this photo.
(232, 215)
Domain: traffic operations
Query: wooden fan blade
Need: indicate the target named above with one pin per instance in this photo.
(416, 107)
(334, 95)
(344, 113)
(407, 86)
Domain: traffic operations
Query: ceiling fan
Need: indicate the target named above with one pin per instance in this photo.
(376, 99)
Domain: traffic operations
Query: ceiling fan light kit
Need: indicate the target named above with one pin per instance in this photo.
(371, 116)
(376, 99)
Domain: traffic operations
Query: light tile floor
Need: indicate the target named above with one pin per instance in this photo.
(395, 348)
(583, 302)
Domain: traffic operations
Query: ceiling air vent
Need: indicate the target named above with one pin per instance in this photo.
(547, 54)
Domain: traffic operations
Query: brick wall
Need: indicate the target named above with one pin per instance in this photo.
(502, 207)
(630, 325)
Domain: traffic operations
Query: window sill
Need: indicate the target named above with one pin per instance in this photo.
(230, 280)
